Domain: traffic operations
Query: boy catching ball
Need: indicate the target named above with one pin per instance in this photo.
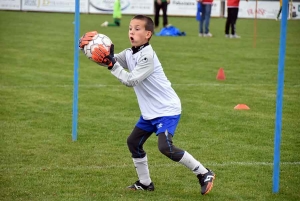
(158, 102)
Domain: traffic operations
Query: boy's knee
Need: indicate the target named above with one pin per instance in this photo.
(164, 149)
(171, 152)
(130, 141)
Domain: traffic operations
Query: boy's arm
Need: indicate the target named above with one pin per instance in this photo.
(143, 69)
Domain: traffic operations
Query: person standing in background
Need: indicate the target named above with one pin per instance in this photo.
(280, 9)
(232, 16)
(205, 18)
(117, 15)
(161, 5)
(290, 7)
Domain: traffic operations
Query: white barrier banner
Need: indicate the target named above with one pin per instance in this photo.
(265, 10)
(182, 7)
(189, 8)
(216, 9)
(10, 4)
(54, 5)
(145, 7)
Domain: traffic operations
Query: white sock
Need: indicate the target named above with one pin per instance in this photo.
(141, 167)
(190, 162)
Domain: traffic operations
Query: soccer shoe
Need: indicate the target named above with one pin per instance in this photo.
(206, 181)
(201, 35)
(104, 24)
(138, 186)
(227, 35)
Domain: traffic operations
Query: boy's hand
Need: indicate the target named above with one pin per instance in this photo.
(86, 38)
(101, 56)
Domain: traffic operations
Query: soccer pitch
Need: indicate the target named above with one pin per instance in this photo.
(39, 160)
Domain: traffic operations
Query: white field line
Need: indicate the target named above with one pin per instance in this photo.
(155, 165)
(120, 85)
(177, 164)
(208, 164)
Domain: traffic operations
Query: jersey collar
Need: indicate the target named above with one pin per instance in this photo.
(136, 49)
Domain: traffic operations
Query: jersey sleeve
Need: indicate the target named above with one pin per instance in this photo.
(121, 58)
(143, 68)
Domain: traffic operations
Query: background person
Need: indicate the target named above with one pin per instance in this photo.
(117, 15)
(232, 16)
(161, 5)
(205, 18)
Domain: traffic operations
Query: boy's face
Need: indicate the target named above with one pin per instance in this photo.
(137, 33)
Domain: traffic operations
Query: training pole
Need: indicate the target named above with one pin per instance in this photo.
(279, 99)
(76, 68)
(255, 25)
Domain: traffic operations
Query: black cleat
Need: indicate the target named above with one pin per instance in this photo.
(206, 181)
(138, 186)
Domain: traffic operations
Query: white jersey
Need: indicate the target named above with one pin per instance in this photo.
(156, 97)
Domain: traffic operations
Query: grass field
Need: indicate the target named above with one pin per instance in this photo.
(39, 160)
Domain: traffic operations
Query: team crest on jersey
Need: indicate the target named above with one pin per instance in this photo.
(145, 60)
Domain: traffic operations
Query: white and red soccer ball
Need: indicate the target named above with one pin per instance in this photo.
(97, 39)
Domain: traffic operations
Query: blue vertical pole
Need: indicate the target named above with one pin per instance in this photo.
(76, 68)
(279, 99)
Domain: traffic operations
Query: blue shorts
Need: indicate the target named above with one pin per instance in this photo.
(159, 125)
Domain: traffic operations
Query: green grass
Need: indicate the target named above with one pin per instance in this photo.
(39, 160)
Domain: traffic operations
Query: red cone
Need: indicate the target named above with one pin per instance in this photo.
(241, 107)
(221, 74)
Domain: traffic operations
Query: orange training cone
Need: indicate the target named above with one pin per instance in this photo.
(221, 74)
(241, 107)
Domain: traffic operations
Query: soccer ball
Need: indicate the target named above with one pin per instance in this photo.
(97, 39)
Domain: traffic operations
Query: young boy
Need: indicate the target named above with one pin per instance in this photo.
(159, 104)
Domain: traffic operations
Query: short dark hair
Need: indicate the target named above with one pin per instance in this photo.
(149, 25)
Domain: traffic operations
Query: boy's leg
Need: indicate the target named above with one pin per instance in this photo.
(135, 142)
(166, 130)
(204, 175)
(166, 147)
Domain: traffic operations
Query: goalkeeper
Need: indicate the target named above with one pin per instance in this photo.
(159, 104)
(117, 15)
